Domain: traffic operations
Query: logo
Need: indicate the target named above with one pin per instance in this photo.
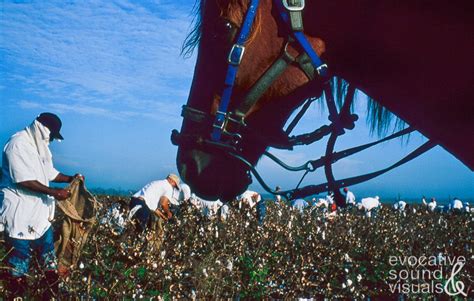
(453, 287)
(427, 275)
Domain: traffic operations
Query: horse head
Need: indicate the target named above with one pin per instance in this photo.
(211, 171)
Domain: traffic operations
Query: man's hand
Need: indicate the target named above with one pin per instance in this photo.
(160, 214)
(60, 194)
(165, 205)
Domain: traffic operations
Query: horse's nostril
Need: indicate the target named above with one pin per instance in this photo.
(201, 160)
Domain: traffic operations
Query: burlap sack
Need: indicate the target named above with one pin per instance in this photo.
(80, 216)
(155, 234)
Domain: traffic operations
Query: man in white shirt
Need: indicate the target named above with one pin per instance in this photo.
(431, 206)
(208, 208)
(369, 205)
(456, 205)
(27, 203)
(400, 206)
(253, 198)
(277, 196)
(299, 204)
(350, 198)
(154, 198)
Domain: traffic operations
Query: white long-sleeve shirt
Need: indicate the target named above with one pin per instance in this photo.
(25, 214)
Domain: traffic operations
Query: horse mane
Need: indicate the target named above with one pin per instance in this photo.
(379, 119)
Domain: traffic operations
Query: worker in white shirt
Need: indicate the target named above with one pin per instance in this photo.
(456, 205)
(277, 196)
(253, 198)
(155, 198)
(350, 198)
(27, 203)
(369, 205)
(299, 204)
(431, 206)
(208, 208)
(400, 206)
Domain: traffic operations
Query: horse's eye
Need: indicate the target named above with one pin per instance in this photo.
(229, 25)
(225, 31)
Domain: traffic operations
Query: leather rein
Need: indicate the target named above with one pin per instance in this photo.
(228, 125)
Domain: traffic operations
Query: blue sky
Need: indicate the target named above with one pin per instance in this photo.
(112, 71)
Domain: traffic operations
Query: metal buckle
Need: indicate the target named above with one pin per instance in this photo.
(293, 8)
(236, 51)
(220, 124)
(322, 70)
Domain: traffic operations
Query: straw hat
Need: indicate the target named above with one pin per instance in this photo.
(175, 178)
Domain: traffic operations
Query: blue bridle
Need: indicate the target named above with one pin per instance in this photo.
(238, 49)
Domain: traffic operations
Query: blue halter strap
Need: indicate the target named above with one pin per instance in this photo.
(237, 51)
(234, 59)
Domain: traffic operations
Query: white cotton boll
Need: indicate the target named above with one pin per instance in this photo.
(204, 272)
(349, 282)
(346, 270)
(81, 265)
(163, 254)
(289, 225)
(343, 285)
(347, 257)
(229, 266)
(324, 235)
(84, 279)
(155, 265)
(359, 278)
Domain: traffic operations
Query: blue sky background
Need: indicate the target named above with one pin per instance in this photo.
(112, 71)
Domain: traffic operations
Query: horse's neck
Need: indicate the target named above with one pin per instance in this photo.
(414, 57)
(396, 33)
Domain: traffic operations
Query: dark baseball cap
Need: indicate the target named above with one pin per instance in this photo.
(53, 123)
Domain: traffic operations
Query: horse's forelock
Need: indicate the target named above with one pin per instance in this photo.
(233, 10)
(194, 35)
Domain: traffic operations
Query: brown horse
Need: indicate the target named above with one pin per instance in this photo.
(414, 57)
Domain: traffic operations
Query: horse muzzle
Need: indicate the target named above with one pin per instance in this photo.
(212, 174)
